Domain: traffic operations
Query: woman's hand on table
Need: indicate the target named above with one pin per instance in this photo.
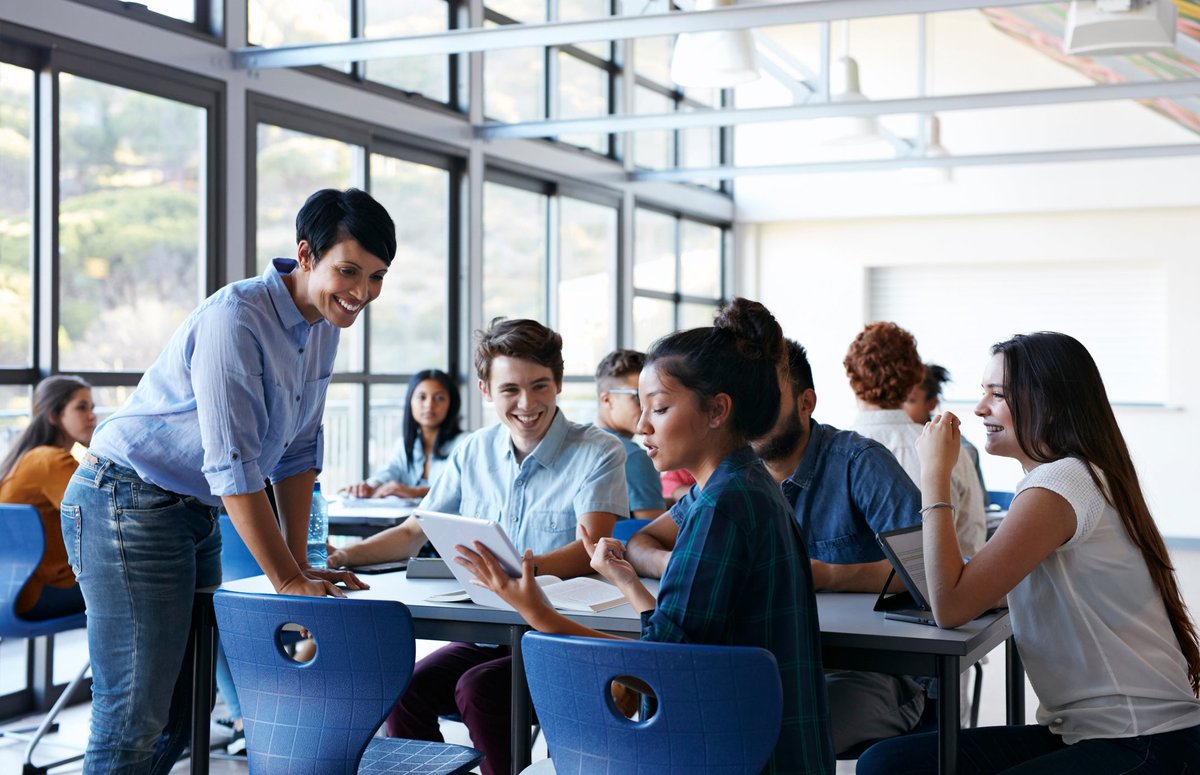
(360, 490)
(334, 576)
(395, 488)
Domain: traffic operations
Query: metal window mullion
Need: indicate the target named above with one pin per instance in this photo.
(358, 27)
(623, 276)
(553, 271)
(678, 263)
(45, 213)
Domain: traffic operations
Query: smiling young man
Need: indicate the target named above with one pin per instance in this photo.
(541, 477)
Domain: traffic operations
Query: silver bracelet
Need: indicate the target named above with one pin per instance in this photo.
(939, 505)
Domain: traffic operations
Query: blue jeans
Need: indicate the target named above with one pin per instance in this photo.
(225, 684)
(1035, 750)
(139, 553)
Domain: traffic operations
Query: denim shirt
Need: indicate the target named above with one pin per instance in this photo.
(411, 474)
(846, 489)
(574, 470)
(237, 395)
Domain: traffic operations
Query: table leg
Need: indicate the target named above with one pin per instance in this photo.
(1015, 691)
(522, 706)
(202, 677)
(948, 714)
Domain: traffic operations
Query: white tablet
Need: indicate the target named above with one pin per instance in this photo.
(446, 531)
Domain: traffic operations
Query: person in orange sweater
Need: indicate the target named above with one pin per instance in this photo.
(36, 471)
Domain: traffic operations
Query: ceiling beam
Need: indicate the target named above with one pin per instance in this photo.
(1185, 87)
(735, 17)
(697, 174)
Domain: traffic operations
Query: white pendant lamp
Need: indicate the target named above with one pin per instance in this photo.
(844, 87)
(718, 59)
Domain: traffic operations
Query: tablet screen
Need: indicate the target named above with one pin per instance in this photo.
(904, 549)
(446, 531)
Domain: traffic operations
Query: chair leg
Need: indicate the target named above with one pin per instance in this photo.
(48, 723)
(978, 693)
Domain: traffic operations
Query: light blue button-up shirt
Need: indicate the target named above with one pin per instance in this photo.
(574, 470)
(237, 395)
(411, 474)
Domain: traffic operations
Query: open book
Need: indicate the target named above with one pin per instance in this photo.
(582, 594)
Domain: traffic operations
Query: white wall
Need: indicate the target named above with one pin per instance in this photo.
(812, 275)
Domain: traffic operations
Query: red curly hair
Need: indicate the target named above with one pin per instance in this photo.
(883, 365)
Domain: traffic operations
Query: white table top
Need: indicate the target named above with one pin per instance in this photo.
(846, 619)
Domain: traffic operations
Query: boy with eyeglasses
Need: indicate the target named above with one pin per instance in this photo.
(618, 413)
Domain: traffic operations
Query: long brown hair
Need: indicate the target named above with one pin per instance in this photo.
(50, 398)
(1060, 409)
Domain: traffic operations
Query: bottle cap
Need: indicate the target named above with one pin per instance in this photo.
(316, 486)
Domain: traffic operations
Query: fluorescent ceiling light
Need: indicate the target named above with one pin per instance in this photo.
(1097, 27)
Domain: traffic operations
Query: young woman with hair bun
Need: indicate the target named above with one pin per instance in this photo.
(739, 575)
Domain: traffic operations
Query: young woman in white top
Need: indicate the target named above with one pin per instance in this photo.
(1096, 610)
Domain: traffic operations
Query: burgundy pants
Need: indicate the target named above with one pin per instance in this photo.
(472, 681)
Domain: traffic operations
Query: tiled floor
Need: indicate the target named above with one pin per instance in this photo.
(70, 651)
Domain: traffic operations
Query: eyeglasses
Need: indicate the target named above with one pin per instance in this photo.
(626, 392)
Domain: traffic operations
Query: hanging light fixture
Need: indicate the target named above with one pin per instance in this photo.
(718, 59)
(845, 87)
(929, 148)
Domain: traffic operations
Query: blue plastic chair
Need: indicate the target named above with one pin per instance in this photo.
(999, 499)
(718, 707)
(624, 528)
(236, 560)
(22, 544)
(320, 717)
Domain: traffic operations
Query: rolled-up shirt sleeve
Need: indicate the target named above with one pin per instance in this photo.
(227, 381)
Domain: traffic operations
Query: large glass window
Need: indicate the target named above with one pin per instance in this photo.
(130, 215)
(407, 328)
(514, 252)
(409, 319)
(16, 216)
(427, 75)
(677, 274)
(587, 253)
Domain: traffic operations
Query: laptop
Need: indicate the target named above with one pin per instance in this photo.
(906, 553)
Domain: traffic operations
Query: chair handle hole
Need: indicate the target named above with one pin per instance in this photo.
(296, 643)
(631, 699)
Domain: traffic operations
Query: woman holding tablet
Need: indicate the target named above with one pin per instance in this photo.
(739, 574)
(430, 431)
(1104, 634)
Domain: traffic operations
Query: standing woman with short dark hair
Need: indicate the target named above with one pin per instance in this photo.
(428, 435)
(1096, 611)
(236, 397)
(35, 472)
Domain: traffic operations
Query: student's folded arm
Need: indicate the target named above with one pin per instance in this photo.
(649, 549)
(1038, 522)
(853, 577)
(572, 560)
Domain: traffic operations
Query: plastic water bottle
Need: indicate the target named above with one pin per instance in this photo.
(318, 528)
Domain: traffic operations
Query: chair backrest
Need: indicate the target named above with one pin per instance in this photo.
(719, 708)
(320, 715)
(236, 560)
(22, 544)
(624, 528)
